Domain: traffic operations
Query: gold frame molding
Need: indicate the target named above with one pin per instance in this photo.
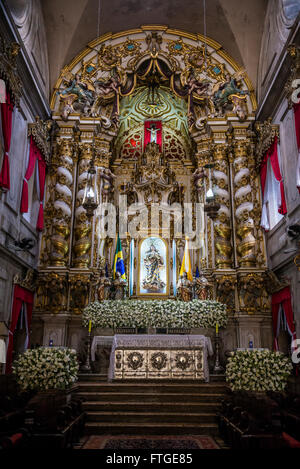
(153, 295)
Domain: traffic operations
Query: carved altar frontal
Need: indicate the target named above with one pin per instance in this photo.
(160, 357)
(159, 363)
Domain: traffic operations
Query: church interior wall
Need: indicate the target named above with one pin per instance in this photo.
(65, 328)
(280, 31)
(13, 225)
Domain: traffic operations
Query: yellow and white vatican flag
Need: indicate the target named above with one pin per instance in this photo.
(186, 265)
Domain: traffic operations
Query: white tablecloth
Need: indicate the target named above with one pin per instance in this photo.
(104, 341)
(159, 340)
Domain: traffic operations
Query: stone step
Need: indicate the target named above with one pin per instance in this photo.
(150, 417)
(158, 388)
(104, 428)
(151, 397)
(151, 406)
(92, 377)
(103, 377)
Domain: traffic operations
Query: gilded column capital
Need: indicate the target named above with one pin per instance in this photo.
(8, 68)
(204, 154)
(86, 151)
(266, 132)
(64, 146)
(290, 86)
(40, 132)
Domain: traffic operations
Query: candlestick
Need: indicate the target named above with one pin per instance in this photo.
(90, 326)
(86, 368)
(217, 368)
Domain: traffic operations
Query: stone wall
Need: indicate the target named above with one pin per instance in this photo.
(281, 30)
(13, 225)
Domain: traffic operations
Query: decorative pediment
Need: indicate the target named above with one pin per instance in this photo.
(40, 132)
(8, 68)
(273, 283)
(266, 133)
(116, 67)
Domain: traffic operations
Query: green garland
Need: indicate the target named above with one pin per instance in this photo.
(257, 370)
(155, 313)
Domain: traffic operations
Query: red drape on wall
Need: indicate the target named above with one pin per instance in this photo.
(283, 298)
(297, 125)
(6, 117)
(272, 154)
(34, 155)
(21, 295)
(147, 133)
(42, 178)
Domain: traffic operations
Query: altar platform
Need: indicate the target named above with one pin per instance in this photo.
(157, 356)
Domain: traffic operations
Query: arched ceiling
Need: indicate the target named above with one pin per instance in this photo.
(236, 24)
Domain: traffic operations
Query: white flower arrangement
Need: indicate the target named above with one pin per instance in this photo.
(46, 368)
(258, 370)
(155, 313)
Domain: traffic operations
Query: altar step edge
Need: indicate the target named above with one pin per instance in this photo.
(102, 377)
(151, 406)
(149, 388)
(150, 417)
(104, 428)
(146, 397)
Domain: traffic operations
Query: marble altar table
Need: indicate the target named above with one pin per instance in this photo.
(157, 356)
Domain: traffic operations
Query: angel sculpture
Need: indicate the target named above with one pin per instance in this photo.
(228, 92)
(78, 90)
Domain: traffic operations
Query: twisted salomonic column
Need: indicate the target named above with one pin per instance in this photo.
(82, 226)
(204, 156)
(222, 224)
(105, 184)
(243, 198)
(62, 203)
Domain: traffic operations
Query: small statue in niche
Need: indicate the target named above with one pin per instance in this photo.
(56, 292)
(119, 285)
(202, 287)
(185, 288)
(103, 287)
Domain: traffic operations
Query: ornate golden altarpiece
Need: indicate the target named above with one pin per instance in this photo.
(206, 105)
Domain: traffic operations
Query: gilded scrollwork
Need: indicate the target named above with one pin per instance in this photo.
(52, 292)
(226, 285)
(293, 81)
(253, 296)
(79, 286)
(8, 68)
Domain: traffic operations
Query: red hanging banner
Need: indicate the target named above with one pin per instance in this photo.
(21, 295)
(6, 116)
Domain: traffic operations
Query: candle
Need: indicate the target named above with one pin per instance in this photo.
(217, 328)
(90, 325)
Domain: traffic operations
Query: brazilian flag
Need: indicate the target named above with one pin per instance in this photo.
(118, 261)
